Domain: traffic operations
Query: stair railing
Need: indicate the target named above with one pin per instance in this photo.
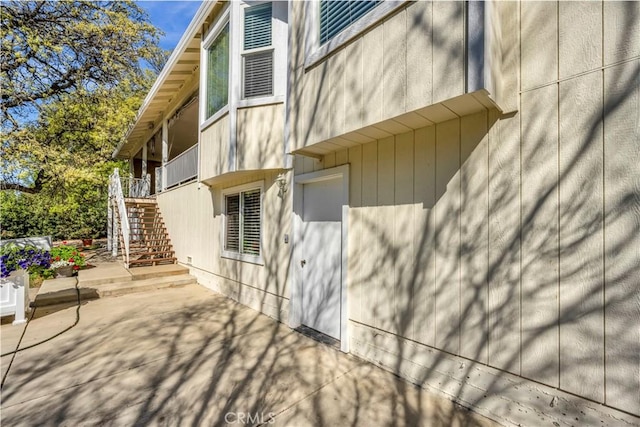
(117, 198)
(136, 187)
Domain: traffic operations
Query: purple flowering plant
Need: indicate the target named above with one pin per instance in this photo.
(28, 258)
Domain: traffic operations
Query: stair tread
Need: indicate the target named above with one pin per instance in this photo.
(149, 261)
(140, 254)
(151, 244)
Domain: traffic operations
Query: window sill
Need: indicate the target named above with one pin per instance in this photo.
(316, 54)
(251, 259)
(261, 101)
(217, 116)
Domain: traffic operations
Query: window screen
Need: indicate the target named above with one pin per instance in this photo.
(218, 72)
(336, 15)
(258, 56)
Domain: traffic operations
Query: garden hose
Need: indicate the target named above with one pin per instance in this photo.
(13, 352)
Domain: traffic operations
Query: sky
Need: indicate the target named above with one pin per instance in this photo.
(172, 17)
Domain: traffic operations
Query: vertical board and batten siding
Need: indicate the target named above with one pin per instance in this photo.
(412, 59)
(447, 228)
(259, 142)
(621, 86)
(260, 137)
(539, 233)
(504, 244)
(424, 283)
(474, 229)
(192, 214)
(215, 153)
(622, 235)
(511, 241)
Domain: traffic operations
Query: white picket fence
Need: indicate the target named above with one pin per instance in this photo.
(14, 296)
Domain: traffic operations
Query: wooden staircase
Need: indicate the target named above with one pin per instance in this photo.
(149, 243)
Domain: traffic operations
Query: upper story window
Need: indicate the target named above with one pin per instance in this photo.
(243, 59)
(336, 15)
(257, 51)
(331, 24)
(217, 90)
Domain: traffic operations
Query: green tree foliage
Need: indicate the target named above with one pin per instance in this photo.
(50, 48)
(70, 145)
(72, 81)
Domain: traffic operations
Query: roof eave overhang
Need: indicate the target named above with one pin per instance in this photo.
(192, 32)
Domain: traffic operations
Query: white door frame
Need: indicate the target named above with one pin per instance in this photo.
(295, 306)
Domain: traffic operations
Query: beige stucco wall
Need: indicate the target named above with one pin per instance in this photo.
(511, 241)
(192, 214)
(410, 60)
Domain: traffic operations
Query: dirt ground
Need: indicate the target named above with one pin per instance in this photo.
(96, 253)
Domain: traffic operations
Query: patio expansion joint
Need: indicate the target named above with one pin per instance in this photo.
(311, 393)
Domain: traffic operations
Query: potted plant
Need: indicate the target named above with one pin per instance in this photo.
(66, 260)
(27, 258)
(86, 236)
(62, 268)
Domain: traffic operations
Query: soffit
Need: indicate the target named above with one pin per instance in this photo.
(453, 108)
(180, 72)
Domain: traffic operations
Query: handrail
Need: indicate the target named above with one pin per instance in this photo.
(184, 153)
(183, 167)
(136, 187)
(118, 197)
(159, 180)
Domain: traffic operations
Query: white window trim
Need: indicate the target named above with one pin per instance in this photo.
(216, 116)
(204, 61)
(314, 52)
(260, 101)
(279, 43)
(253, 259)
(270, 48)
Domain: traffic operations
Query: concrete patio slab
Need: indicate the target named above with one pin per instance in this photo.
(188, 356)
(141, 273)
(58, 291)
(111, 279)
(9, 340)
(109, 272)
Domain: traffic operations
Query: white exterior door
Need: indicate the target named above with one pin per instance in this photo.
(321, 256)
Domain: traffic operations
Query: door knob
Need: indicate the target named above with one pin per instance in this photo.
(303, 262)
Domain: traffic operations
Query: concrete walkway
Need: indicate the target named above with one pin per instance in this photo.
(186, 356)
(111, 279)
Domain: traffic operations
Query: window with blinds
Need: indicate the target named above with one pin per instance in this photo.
(232, 227)
(218, 73)
(251, 222)
(243, 222)
(336, 15)
(257, 51)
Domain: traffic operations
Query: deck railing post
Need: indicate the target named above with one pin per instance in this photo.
(119, 204)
